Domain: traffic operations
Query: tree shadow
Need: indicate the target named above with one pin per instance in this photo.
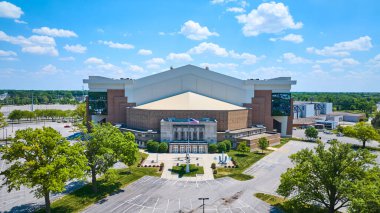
(241, 155)
(30, 207)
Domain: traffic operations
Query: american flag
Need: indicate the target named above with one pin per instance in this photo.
(193, 121)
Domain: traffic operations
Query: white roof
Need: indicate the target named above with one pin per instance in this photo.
(189, 101)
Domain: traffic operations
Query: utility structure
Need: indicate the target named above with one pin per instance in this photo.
(203, 200)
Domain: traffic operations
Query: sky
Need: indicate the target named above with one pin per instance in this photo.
(325, 45)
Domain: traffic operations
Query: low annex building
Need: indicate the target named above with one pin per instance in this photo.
(192, 105)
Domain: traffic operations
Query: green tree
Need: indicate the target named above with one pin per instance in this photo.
(106, 145)
(163, 147)
(228, 145)
(243, 148)
(376, 121)
(16, 115)
(222, 147)
(43, 160)
(311, 133)
(263, 144)
(330, 177)
(152, 146)
(212, 148)
(80, 112)
(3, 122)
(362, 131)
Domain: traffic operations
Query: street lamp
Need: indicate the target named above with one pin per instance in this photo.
(203, 200)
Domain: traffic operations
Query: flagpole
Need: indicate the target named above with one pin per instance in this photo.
(188, 147)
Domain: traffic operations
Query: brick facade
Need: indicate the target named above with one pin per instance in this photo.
(150, 119)
(262, 109)
(117, 104)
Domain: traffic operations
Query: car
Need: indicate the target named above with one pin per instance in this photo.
(329, 141)
(327, 132)
(66, 126)
(340, 134)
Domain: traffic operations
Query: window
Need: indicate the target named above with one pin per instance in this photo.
(201, 136)
(201, 149)
(175, 149)
(281, 104)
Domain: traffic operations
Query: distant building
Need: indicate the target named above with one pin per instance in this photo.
(192, 105)
(345, 116)
(304, 109)
(3, 96)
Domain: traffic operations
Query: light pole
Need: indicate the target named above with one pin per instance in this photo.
(203, 200)
(187, 148)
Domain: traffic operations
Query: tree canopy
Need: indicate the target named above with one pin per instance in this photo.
(362, 131)
(263, 143)
(43, 160)
(311, 133)
(376, 121)
(331, 177)
(243, 148)
(106, 145)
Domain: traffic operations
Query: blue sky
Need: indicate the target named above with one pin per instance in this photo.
(325, 45)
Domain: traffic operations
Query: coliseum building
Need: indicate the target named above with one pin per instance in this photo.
(190, 107)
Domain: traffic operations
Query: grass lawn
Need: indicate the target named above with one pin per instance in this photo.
(83, 197)
(283, 141)
(181, 170)
(243, 161)
(287, 206)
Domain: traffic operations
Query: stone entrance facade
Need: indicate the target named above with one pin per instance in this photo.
(192, 148)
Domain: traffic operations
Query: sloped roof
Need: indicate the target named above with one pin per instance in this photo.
(189, 101)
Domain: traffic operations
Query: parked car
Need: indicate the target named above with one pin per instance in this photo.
(327, 132)
(340, 134)
(66, 126)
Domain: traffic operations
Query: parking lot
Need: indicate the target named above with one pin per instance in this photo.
(300, 133)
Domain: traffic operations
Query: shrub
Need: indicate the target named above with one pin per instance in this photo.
(111, 176)
(161, 166)
(215, 171)
(243, 148)
(212, 148)
(228, 145)
(163, 147)
(263, 144)
(152, 146)
(213, 166)
(222, 147)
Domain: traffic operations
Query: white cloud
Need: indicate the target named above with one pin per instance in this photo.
(248, 58)
(75, 48)
(103, 68)
(20, 21)
(4, 53)
(230, 66)
(112, 44)
(345, 62)
(271, 72)
(194, 31)
(235, 10)
(154, 63)
(345, 48)
(179, 57)
(209, 47)
(290, 37)
(48, 70)
(375, 61)
(144, 52)
(70, 58)
(94, 60)
(291, 58)
(8, 59)
(135, 68)
(53, 32)
(269, 17)
(42, 45)
(8, 10)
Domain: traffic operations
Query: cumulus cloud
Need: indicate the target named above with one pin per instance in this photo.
(345, 62)
(179, 57)
(4, 53)
(135, 68)
(116, 45)
(345, 48)
(194, 31)
(144, 52)
(9, 10)
(269, 17)
(205, 47)
(53, 32)
(291, 58)
(235, 10)
(20, 21)
(230, 66)
(49, 69)
(42, 45)
(101, 67)
(70, 58)
(154, 63)
(290, 37)
(75, 48)
(247, 57)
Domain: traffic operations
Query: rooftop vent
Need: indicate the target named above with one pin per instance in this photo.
(206, 68)
(171, 67)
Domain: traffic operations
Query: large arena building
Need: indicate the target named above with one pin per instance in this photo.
(190, 107)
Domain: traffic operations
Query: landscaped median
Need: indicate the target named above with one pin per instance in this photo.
(84, 197)
(288, 206)
(243, 161)
(181, 170)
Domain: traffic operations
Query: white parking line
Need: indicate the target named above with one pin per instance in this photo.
(167, 206)
(179, 204)
(127, 201)
(154, 208)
